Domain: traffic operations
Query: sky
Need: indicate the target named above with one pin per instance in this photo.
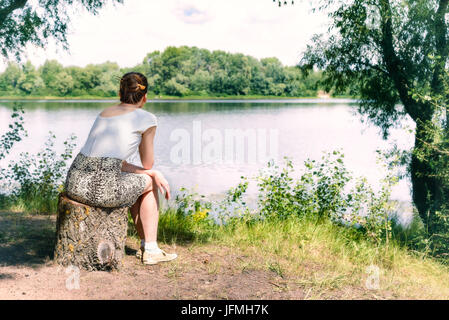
(125, 33)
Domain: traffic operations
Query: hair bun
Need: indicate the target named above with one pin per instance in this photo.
(133, 87)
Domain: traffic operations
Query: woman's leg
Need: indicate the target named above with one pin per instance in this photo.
(135, 209)
(149, 215)
(145, 213)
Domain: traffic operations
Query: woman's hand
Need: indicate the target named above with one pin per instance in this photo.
(160, 181)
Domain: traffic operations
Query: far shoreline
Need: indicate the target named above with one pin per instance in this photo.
(171, 98)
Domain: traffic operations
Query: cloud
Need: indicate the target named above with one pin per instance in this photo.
(191, 14)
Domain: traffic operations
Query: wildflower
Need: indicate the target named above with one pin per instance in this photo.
(200, 215)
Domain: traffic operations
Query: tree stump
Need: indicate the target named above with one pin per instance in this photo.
(90, 238)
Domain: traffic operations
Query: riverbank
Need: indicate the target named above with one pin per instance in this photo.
(290, 259)
(162, 97)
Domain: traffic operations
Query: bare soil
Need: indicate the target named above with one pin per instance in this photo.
(200, 272)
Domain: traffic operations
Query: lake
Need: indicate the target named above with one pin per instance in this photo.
(193, 146)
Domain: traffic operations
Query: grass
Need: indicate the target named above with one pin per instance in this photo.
(31, 204)
(324, 259)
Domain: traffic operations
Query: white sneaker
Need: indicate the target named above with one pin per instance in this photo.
(154, 258)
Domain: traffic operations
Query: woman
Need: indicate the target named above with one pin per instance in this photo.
(99, 176)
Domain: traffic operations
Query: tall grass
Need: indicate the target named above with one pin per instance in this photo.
(324, 258)
(296, 219)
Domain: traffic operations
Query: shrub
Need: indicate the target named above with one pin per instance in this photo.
(35, 180)
(15, 133)
(324, 191)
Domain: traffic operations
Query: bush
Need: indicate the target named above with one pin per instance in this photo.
(36, 180)
(324, 191)
(16, 131)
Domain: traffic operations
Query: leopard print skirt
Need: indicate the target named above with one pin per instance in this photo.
(99, 182)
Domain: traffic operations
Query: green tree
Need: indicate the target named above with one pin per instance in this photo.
(390, 51)
(171, 60)
(84, 79)
(152, 66)
(191, 71)
(200, 81)
(109, 78)
(63, 83)
(175, 88)
(10, 77)
(273, 69)
(49, 73)
(25, 22)
(30, 81)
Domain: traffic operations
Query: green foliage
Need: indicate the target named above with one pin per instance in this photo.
(183, 71)
(325, 191)
(434, 152)
(15, 133)
(319, 190)
(390, 53)
(30, 80)
(36, 180)
(49, 71)
(25, 22)
(10, 77)
(382, 49)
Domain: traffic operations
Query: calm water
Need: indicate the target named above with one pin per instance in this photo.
(302, 129)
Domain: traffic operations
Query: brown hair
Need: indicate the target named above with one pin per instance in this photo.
(133, 86)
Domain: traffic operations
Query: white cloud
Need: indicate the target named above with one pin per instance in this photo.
(126, 33)
(191, 14)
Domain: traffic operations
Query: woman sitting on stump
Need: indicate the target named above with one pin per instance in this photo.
(100, 177)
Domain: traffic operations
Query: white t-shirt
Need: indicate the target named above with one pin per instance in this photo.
(118, 136)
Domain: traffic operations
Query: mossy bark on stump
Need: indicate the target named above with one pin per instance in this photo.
(90, 238)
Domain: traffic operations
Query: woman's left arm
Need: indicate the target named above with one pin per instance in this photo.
(146, 148)
(147, 159)
(146, 152)
(128, 167)
(158, 178)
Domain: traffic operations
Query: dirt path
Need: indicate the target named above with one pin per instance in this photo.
(200, 272)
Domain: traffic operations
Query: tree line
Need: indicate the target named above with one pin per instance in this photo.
(176, 71)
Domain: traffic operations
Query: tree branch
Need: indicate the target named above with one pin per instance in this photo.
(394, 65)
(14, 5)
(440, 30)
